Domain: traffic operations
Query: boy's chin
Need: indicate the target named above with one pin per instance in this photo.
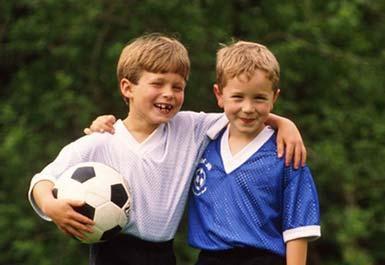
(164, 118)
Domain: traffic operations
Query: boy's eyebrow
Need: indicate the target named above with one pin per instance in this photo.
(157, 79)
(162, 79)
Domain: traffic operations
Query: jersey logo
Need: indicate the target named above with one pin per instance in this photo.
(199, 184)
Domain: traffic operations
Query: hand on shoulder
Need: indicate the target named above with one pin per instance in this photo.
(101, 124)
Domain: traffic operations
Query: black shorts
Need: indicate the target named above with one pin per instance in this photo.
(240, 256)
(129, 250)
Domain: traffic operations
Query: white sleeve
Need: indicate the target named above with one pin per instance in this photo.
(72, 154)
(207, 124)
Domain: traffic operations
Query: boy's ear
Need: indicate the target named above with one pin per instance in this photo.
(276, 94)
(126, 88)
(275, 97)
(219, 95)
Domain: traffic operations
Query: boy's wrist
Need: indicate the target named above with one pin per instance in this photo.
(281, 121)
(46, 205)
(276, 121)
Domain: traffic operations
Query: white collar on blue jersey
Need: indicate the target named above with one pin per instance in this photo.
(230, 162)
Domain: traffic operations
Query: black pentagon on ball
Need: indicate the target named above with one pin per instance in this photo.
(111, 233)
(82, 174)
(118, 195)
(54, 193)
(86, 210)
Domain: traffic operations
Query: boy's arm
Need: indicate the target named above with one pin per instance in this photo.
(296, 252)
(288, 136)
(288, 139)
(61, 210)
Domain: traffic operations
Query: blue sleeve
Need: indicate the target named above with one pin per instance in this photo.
(301, 215)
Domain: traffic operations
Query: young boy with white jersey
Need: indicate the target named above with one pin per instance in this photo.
(246, 206)
(155, 148)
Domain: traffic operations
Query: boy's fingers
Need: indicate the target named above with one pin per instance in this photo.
(84, 220)
(111, 119)
(87, 131)
(111, 128)
(72, 231)
(289, 154)
(304, 156)
(80, 218)
(106, 119)
(297, 157)
(64, 231)
(108, 122)
(106, 128)
(82, 226)
(280, 147)
(103, 124)
(75, 203)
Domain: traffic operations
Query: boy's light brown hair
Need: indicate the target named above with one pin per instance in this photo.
(244, 57)
(154, 53)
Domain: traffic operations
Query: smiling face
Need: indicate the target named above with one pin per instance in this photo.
(247, 103)
(155, 99)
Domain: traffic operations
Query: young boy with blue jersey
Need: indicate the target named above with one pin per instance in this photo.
(246, 206)
(155, 148)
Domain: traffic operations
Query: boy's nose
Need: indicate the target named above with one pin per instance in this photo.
(167, 92)
(247, 107)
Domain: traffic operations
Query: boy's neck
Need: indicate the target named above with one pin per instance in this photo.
(238, 141)
(140, 130)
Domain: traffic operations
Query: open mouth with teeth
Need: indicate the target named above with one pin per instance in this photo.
(163, 107)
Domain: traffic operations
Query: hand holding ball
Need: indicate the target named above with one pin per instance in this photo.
(106, 197)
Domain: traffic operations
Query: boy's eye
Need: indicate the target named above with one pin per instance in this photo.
(178, 88)
(260, 98)
(157, 84)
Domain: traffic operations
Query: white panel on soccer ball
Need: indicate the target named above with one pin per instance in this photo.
(68, 188)
(93, 183)
(123, 219)
(95, 199)
(99, 187)
(109, 174)
(107, 215)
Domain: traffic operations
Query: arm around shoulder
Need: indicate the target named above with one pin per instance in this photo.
(289, 140)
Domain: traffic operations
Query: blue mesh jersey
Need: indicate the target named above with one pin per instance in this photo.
(258, 203)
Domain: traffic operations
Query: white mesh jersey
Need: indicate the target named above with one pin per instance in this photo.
(158, 170)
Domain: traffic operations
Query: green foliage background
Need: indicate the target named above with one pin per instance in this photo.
(57, 73)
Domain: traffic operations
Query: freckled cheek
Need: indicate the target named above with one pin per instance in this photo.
(232, 111)
(230, 107)
(181, 98)
(265, 109)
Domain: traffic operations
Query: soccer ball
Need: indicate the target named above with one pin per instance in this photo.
(106, 197)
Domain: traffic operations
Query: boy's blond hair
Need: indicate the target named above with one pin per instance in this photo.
(244, 57)
(154, 53)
